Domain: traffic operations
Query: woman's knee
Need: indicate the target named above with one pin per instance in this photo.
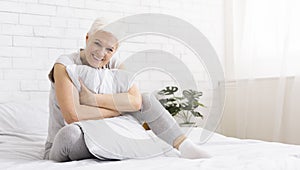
(151, 108)
(64, 141)
(148, 99)
(68, 134)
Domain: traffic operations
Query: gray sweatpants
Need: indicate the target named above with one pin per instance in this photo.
(69, 141)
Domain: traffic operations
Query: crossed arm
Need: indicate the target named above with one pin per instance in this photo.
(87, 105)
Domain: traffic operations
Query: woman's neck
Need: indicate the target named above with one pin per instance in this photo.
(83, 58)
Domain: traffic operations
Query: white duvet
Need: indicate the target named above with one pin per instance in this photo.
(23, 132)
(25, 152)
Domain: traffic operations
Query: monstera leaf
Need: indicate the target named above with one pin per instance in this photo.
(168, 90)
(191, 94)
(171, 105)
(186, 106)
(165, 101)
(173, 109)
(196, 103)
(196, 114)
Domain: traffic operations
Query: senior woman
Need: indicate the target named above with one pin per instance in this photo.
(65, 141)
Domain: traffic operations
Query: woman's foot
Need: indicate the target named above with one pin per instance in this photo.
(191, 151)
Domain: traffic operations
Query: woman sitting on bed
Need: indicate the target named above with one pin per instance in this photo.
(65, 139)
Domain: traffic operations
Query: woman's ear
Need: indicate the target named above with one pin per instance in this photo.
(86, 38)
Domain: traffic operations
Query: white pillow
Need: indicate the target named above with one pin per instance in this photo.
(127, 138)
(122, 138)
(24, 117)
(105, 81)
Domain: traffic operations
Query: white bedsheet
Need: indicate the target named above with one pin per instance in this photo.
(24, 151)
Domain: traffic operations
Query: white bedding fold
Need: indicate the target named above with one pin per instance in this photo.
(228, 153)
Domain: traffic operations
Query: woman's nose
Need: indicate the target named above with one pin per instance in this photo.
(101, 52)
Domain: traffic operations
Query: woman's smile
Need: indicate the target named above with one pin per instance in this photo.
(97, 59)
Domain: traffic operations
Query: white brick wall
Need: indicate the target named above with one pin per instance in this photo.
(11, 18)
(33, 33)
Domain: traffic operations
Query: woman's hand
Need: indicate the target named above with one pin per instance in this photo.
(122, 102)
(86, 97)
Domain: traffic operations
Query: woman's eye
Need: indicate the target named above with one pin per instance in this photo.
(110, 50)
(98, 44)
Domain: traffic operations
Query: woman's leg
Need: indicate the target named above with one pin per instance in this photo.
(165, 127)
(69, 145)
(159, 119)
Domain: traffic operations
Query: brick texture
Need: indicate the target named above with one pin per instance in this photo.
(33, 33)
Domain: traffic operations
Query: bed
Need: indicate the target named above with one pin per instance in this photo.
(23, 131)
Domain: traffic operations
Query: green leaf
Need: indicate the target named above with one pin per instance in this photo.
(199, 104)
(186, 106)
(168, 90)
(191, 94)
(171, 100)
(197, 114)
(173, 109)
(163, 101)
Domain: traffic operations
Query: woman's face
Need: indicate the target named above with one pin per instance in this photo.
(100, 47)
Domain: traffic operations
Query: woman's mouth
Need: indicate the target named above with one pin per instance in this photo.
(97, 59)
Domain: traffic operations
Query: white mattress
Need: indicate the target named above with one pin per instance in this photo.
(23, 130)
(24, 151)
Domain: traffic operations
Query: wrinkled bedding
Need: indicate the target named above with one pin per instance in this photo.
(23, 132)
(24, 151)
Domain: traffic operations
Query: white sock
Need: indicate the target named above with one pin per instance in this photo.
(191, 151)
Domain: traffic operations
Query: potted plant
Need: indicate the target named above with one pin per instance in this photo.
(183, 107)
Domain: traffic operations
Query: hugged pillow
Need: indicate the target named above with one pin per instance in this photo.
(24, 117)
(106, 81)
(130, 140)
(122, 138)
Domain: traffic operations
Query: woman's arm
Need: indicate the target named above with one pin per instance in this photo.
(121, 102)
(68, 100)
